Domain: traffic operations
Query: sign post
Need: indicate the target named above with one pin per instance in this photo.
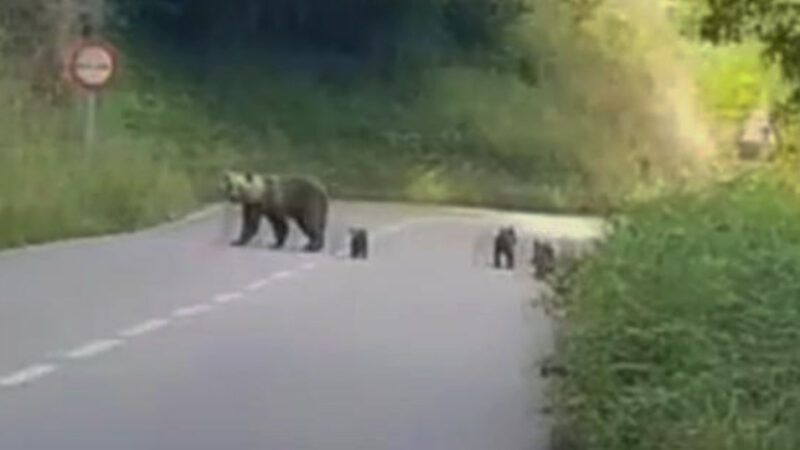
(92, 65)
(91, 119)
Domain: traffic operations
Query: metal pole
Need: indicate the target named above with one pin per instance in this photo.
(91, 117)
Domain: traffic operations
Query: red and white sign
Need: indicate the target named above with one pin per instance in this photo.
(92, 64)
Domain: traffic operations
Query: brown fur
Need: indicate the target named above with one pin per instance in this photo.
(504, 245)
(279, 198)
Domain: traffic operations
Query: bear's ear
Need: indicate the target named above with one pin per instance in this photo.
(248, 176)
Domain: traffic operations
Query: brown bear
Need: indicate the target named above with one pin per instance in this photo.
(278, 198)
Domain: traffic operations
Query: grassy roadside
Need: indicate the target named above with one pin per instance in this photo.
(682, 333)
(52, 188)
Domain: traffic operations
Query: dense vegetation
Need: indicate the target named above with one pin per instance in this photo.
(553, 105)
(472, 101)
(681, 332)
(771, 22)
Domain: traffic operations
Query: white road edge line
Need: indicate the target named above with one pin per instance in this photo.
(229, 297)
(309, 265)
(193, 310)
(256, 285)
(144, 328)
(27, 375)
(93, 349)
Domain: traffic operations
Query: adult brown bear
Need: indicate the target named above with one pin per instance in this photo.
(278, 198)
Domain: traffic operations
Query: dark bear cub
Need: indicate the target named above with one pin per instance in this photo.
(359, 243)
(504, 243)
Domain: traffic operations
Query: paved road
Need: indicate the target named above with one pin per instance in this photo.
(168, 339)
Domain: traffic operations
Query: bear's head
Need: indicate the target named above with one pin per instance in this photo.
(508, 234)
(242, 187)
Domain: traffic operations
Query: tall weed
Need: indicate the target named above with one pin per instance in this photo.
(682, 332)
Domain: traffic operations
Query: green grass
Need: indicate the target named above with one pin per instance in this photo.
(51, 189)
(682, 332)
(449, 137)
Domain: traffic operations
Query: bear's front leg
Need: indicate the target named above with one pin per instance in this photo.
(251, 218)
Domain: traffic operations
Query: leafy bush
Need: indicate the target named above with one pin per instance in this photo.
(683, 331)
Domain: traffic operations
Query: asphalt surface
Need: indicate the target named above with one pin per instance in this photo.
(169, 339)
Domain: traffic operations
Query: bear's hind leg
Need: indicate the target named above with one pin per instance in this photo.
(498, 256)
(510, 258)
(316, 237)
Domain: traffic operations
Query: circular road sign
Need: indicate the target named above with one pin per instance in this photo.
(93, 64)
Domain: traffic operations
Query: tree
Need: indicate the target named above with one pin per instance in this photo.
(34, 35)
(776, 23)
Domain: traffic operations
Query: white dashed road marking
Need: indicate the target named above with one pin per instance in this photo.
(101, 346)
(144, 328)
(392, 230)
(256, 285)
(27, 375)
(93, 349)
(192, 310)
(283, 274)
(227, 298)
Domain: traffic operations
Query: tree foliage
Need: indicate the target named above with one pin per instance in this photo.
(356, 27)
(776, 23)
(34, 35)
